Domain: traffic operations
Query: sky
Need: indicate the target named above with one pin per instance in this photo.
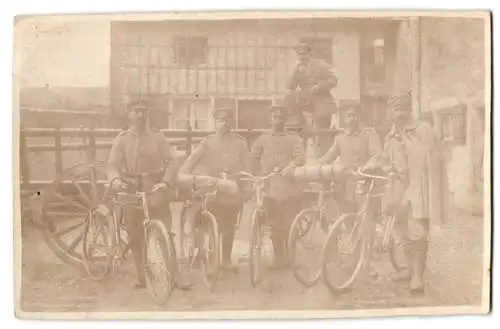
(74, 54)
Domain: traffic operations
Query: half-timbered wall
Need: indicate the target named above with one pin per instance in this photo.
(185, 69)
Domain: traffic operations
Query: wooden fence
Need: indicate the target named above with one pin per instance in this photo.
(89, 142)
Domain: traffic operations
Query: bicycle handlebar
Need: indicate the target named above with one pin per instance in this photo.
(365, 175)
(250, 177)
(142, 193)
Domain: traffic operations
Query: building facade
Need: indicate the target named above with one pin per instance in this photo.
(185, 68)
(453, 86)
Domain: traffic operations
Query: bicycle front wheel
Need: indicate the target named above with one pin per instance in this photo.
(159, 261)
(305, 242)
(397, 256)
(98, 244)
(256, 247)
(343, 254)
(210, 249)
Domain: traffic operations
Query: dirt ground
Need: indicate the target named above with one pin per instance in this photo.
(454, 277)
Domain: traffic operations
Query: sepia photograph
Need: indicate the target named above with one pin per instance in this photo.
(252, 165)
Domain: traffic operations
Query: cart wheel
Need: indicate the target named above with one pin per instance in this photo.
(67, 204)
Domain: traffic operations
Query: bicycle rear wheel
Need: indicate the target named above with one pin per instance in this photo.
(256, 247)
(210, 249)
(159, 261)
(344, 252)
(397, 257)
(305, 240)
(97, 243)
(393, 244)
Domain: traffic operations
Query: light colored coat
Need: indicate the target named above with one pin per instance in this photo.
(427, 189)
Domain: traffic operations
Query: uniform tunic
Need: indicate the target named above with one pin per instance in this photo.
(135, 153)
(354, 149)
(217, 154)
(315, 72)
(273, 150)
(142, 153)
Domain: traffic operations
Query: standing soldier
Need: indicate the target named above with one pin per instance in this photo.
(316, 78)
(282, 150)
(142, 151)
(425, 198)
(224, 153)
(354, 147)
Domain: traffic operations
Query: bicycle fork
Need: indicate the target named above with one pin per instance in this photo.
(117, 252)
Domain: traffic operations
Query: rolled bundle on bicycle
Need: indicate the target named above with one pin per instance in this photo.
(318, 172)
(225, 187)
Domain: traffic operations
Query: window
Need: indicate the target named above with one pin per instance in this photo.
(376, 61)
(190, 50)
(321, 48)
(453, 125)
(193, 112)
(253, 114)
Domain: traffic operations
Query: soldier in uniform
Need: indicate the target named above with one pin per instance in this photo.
(425, 198)
(279, 149)
(140, 150)
(224, 153)
(353, 147)
(316, 78)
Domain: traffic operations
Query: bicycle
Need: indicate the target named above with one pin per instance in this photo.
(104, 233)
(315, 219)
(350, 236)
(203, 228)
(257, 224)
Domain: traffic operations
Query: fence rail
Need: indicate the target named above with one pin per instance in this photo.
(184, 141)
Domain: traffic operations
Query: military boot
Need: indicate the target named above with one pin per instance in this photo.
(140, 268)
(227, 250)
(419, 263)
(278, 254)
(404, 274)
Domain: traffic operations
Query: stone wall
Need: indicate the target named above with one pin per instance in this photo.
(452, 58)
(452, 72)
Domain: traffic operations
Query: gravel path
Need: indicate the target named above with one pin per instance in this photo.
(453, 278)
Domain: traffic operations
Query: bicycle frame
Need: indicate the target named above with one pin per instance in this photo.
(143, 204)
(320, 206)
(259, 186)
(362, 213)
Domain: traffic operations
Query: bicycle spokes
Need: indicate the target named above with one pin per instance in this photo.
(389, 226)
(157, 266)
(348, 238)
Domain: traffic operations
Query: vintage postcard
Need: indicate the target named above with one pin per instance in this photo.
(252, 165)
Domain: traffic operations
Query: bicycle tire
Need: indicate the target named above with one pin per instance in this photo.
(393, 256)
(182, 234)
(306, 280)
(87, 259)
(256, 244)
(328, 253)
(167, 260)
(210, 224)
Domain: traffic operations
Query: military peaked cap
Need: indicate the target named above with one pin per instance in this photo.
(222, 112)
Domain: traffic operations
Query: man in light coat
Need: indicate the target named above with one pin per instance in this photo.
(425, 197)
